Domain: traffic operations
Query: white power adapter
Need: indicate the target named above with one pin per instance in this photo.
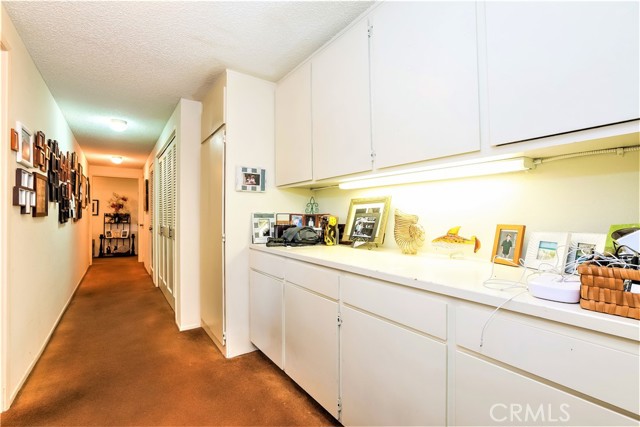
(555, 287)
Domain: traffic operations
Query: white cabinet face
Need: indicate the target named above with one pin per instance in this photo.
(311, 344)
(340, 106)
(265, 312)
(556, 67)
(390, 375)
(486, 394)
(293, 127)
(424, 81)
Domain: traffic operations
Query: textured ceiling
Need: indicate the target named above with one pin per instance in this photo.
(134, 60)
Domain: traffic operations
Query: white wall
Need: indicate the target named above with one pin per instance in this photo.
(46, 260)
(585, 194)
(102, 189)
(250, 142)
(185, 121)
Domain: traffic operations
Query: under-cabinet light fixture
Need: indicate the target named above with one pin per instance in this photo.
(119, 125)
(442, 173)
(116, 159)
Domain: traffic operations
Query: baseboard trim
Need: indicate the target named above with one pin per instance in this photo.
(15, 392)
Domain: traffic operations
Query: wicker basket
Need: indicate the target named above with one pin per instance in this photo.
(602, 289)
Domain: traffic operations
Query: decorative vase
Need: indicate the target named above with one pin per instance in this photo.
(409, 235)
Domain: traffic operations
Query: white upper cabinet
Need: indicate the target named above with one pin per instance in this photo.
(424, 81)
(293, 127)
(340, 106)
(556, 67)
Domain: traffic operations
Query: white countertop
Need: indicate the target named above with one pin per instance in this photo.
(458, 278)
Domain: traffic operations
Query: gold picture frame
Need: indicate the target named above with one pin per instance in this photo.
(367, 220)
(507, 245)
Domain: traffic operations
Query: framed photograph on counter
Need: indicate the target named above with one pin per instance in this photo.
(547, 251)
(367, 219)
(582, 246)
(507, 245)
(262, 226)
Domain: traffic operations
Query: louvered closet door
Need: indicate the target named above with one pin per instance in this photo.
(167, 221)
(152, 203)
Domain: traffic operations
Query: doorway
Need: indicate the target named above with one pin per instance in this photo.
(104, 189)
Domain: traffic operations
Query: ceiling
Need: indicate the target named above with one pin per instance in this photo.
(134, 60)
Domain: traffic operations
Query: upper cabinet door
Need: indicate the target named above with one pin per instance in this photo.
(557, 67)
(340, 106)
(424, 81)
(293, 127)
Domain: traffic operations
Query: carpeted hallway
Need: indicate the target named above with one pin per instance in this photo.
(117, 359)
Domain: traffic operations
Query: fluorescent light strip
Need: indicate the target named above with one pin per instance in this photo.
(476, 169)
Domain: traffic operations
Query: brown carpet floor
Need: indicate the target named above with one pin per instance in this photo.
(118, 359)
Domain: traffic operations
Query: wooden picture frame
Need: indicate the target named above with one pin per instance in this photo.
(146, 195)
(296, 220)
(41, 185)
(95, 207)
(547, 251)
(507, 245)
(14, 140)
(25, 146)
(367, 220)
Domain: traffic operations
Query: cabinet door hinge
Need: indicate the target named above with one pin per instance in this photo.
(370, 31)
(224, 238)
(373, 155)
(339, 405)
(339, 320)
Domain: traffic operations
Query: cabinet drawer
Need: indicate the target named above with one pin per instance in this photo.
(409, 307)
(317, 279)
(487, 394)
(269, 264)
(608, 374)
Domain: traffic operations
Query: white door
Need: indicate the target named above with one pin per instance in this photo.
(167, 220)
(152, 202)
(311, 344)
(212, 311)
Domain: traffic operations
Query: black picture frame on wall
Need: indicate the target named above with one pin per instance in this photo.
(95, 207)
(146, 195)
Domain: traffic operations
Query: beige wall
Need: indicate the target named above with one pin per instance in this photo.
(585, 194)
(45, 260)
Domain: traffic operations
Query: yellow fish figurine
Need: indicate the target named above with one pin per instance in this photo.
(454, 243)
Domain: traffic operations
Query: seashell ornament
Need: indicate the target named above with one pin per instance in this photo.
(409, 235)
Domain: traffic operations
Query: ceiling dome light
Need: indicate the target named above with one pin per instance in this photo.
(116, 159)
(118, 125)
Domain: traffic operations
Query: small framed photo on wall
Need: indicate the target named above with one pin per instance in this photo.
(507, 245)
(25, 145)
(250, 179)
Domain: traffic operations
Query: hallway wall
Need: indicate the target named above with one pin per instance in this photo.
(45, 260)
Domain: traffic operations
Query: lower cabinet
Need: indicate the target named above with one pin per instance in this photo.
(487, 394)
(265, 308)
(390, 375)
(311, 344)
